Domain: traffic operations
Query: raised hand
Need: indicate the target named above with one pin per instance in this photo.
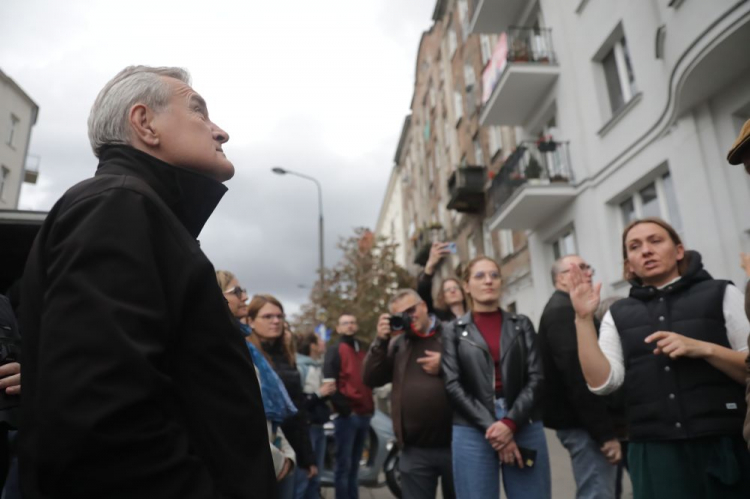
(584, 295)
(437, 252)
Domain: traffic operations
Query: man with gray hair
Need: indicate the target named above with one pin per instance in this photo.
(582, 420)
(406, 352)
(137, 381)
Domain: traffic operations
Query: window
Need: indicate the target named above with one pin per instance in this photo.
(506, 243)
(618, 74)
(478, 156)
(485, 45)
(463, 13)
(471, 246)
(447, 132)
(657, 199)
(4, 174)
(452, 42)
(13, 132)
(496, 140)
(565, 245)
(489, 249)
(458, 105)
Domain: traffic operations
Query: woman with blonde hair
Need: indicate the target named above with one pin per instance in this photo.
(493, 374)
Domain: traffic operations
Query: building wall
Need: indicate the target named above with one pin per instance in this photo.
(690, 100)
(445, 134)
(17, 115)
(391, 221)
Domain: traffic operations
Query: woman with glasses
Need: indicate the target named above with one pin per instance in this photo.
(678, 345)
(277, 405)
(266, 319)
(493, 375)
(451, 301)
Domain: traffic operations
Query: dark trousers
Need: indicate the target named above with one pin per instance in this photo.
(420, 469)
(351, 432)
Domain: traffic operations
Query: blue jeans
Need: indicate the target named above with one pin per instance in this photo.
(351, 432)
(476, 466)
(595, 477)
(310, 489)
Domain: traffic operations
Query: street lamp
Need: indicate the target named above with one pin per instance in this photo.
(321, 263)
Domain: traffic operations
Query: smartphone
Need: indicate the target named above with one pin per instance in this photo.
(528, 456)
(452, 248)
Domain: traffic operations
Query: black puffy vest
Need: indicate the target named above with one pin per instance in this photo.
(683, 398)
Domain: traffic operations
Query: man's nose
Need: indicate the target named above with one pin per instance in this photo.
(219, 134)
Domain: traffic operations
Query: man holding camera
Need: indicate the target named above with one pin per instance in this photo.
(406, 353)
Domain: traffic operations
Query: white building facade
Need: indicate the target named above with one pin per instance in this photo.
(623, 109)
(18, 113)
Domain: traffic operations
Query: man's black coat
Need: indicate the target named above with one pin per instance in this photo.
(136, 381)
(567, 402)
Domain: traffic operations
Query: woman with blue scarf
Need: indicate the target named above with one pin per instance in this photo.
(277, 404)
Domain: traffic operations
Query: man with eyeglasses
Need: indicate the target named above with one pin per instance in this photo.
(410, 359)
(583, 422)
(352, 402)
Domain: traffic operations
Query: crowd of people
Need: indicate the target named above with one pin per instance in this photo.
(147, 373)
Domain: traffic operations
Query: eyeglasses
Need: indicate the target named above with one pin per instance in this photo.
(348, 323)
(236, 291)
(585, 267)
(481, 276)
(270, 317)
(451, 289)
(411, 310)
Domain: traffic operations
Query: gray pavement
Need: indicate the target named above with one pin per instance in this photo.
(563, 485)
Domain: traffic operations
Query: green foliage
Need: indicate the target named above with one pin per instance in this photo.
(360, 284)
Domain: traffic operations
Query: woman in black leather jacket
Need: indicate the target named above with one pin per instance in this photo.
(493, 375)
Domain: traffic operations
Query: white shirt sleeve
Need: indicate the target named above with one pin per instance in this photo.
(735, 320)
(609, 342)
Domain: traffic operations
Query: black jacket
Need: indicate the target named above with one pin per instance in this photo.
(469, 371)
(296, 429)
(10, 351)
(136, 380)
(567, 401)
(671, 399)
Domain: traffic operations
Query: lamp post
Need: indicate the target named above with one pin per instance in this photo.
(321, 262)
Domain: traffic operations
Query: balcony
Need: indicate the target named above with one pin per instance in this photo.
(521, 72)
(533, 185)
(495, 16)
(466, 189)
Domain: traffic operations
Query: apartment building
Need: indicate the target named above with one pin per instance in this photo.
(622, 109)
(445, 160)
(18, 114)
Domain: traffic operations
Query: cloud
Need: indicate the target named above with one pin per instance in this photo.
(318, 88)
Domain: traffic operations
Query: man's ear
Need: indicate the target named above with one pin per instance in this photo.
(141, 120)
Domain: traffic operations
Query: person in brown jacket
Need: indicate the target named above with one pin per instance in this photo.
(408, 355)
(740, 154)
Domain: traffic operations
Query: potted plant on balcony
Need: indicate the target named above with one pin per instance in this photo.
(533, 170)
(545, 143)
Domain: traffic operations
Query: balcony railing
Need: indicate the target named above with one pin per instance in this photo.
(533, 163)
(517, 45)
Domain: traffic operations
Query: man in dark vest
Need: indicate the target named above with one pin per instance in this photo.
(136, 379)
(422, 421)
(582, 420)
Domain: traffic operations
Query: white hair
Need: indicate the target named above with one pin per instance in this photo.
(401, 293)
(108, 120)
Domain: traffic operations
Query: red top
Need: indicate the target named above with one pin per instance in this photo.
(490, 325)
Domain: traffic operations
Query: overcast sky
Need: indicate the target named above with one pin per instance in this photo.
(321, 88)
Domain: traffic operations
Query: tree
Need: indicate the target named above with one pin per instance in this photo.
(361, 284)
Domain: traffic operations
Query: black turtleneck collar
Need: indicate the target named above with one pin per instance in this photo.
(191, 196)
(693, 273)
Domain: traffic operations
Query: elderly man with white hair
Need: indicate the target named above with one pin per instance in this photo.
(137, 381)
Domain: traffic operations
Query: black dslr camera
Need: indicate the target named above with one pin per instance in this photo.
(399, 322)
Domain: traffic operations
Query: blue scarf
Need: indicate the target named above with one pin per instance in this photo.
(276, 402)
